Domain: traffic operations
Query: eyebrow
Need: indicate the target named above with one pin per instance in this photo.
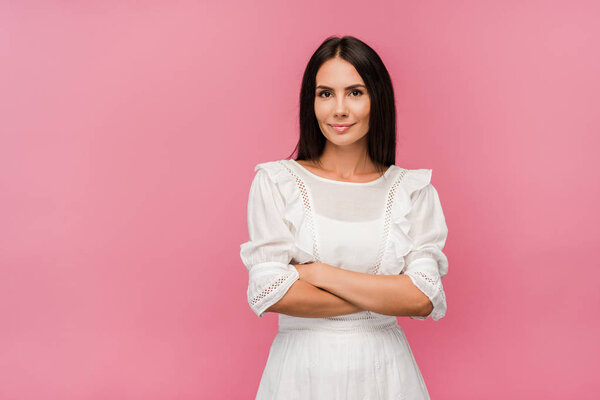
(347, 88)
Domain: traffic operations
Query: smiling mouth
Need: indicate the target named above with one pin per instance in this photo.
(341, 128)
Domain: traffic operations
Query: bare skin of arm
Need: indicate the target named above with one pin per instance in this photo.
(303, 299)
(384, 294)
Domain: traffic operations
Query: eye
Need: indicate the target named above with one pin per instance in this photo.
(357, 91)
(323, 92)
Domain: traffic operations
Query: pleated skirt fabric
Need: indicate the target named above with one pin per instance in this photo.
(329, 359)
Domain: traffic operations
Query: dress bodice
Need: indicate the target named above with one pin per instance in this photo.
(391, 225)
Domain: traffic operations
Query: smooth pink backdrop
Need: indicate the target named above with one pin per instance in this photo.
(129, 133)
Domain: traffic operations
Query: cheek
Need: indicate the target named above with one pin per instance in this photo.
(321, 111)
(363, 109)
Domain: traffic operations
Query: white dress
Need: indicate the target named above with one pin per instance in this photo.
(392, 225)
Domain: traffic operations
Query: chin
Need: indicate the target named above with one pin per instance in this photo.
(343, 140)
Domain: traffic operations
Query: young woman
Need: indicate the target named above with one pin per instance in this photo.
(342, 241)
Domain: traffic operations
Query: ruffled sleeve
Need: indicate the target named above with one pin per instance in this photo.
(425, 263)
(268, 253)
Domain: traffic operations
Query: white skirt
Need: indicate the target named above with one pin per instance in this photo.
(361, 356)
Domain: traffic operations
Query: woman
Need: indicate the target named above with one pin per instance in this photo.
(342, 241)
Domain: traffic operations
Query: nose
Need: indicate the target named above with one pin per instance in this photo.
(340, 107)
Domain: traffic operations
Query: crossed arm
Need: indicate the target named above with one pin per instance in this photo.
(325, 291)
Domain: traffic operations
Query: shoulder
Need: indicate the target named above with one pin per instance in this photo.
(414, 180)
(276, 171)
(278, 177)
(268, 165)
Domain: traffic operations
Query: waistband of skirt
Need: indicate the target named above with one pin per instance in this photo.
(364, 321)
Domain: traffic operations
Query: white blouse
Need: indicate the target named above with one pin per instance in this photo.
(392, 225)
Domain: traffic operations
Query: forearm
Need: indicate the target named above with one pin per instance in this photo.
(384, 294)
(303, 299)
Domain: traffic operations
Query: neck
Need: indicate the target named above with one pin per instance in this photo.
(347, 161)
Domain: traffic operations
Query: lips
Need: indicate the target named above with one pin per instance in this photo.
(341, 127)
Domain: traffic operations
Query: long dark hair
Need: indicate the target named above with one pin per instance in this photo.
(381, 138)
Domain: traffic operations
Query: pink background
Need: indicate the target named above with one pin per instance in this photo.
(129, 133)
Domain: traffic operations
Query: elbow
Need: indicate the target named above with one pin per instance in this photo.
(435, 312)
(273, 308)
(261, 311)
(426, 308)
(278, 307)
(267, 294)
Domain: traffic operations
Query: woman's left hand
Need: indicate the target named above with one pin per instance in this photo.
(309, 272)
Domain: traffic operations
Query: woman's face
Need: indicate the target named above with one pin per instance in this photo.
(341, 98)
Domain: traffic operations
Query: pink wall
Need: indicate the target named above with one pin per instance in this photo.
(129, 131)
